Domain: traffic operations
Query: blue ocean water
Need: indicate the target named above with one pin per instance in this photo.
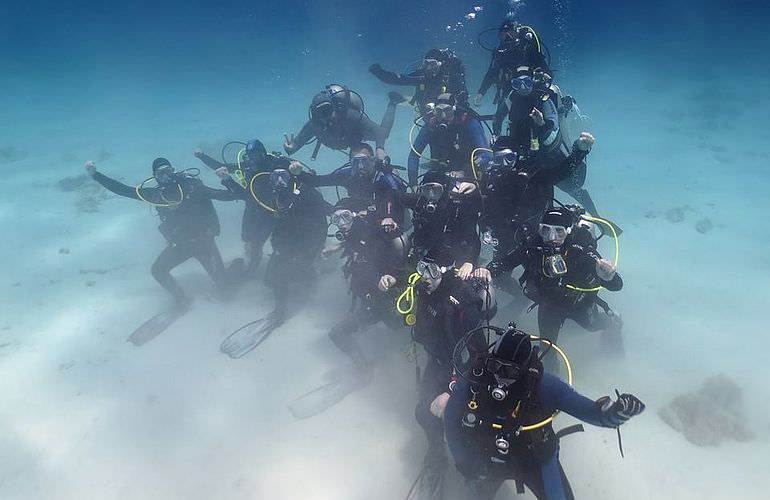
(676, 92)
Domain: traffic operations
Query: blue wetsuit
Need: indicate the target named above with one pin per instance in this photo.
(451, 146)
(545, 477)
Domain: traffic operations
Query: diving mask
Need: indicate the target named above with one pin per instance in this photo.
(430, 269)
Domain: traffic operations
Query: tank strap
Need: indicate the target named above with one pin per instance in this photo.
(572, 429)
(315, 151)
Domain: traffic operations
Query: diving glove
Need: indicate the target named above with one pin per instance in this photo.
(616, 413)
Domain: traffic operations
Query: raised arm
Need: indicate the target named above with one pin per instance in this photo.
(392, 78)
(117, 187)
(211, 162)
(305, 135)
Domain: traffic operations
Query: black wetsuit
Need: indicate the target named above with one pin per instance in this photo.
(555, 300)
(452, 227)
(515, 199)
(371, 253)
(506, 59)
(551, 141)
(297, 238)
(257, 222)
(344, 131)
(383, 190)
(443, 318)
(451, 79)
(189, 227)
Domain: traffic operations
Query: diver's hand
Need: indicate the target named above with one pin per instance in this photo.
(537, 117)
(389, 224)
(222, 173)
(605, 269)
(376, 69)
(464, 272)
(198, 153)
(289, 145)
(386, 282)
(477, 99)
(483, 273)
(330, 250)
(465, 188)
(618, 412)
(438, 406)
(380, 155)
(295, 167)
(90, 168)
(585, 142)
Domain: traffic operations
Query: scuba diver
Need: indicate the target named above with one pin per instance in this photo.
(446, 309)
(257, 221)
(338, 120)
(441, 72)
(366, 178)
(516, 193)
(563, 273)
(375, 261)
(453, 134)
(519, 49)
(537, 112)
(497, 420)
(189, 223)
(445, 214)
(297, 237)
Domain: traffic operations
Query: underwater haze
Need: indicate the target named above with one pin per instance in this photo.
(677, 97)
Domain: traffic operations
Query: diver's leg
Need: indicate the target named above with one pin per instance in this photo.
(609, 323)
(207, 253)
(550, 319)
(486, 488)
(254, 239)
(500, 114)
(547, 481)
(169, 258)
(394, 99)
(342, 335)
(431, 385)
(510, 285)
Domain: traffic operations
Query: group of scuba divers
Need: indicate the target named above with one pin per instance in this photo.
(488, 392)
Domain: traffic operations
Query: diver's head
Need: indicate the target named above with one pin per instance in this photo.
(504, 152)
(445, 108)
(555, 226)
(163, 172)
(433, 62)
(507, 31)
(513, 35)
(523, 84)
(284, 187)
(335, 100)
(508, 363)
(432, 267)
(255, 153)
(362, 163)
(431, 194)
(347, 214)
(322, 108)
